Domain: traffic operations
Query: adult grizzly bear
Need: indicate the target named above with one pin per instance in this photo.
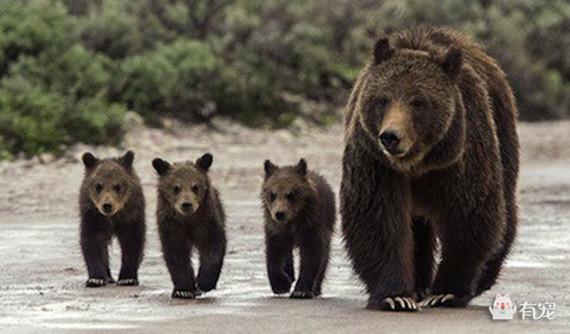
(431, 150)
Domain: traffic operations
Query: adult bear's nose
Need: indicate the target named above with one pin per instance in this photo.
(390, 140)
(107, 207)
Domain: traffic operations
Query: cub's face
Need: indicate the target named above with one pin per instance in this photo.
(108, 182)
(184, 185)
(408, 101)
(285, 190)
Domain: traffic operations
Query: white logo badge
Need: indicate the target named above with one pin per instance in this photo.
(503, 308)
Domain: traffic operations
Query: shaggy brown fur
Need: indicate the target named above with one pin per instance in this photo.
(431, 150)
(190, 214)
(111, 203)
(299, 210)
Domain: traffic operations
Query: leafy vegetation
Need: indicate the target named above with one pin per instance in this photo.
(70, 69)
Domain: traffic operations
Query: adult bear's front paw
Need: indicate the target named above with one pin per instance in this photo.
(446, 300)
(395, 303)
(128, 281)
(96, 282)
(280, 283)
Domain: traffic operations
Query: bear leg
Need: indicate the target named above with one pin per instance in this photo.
(94, 238)
(314, 255)
(424, 260)
(131, 237)
(493, 267)
(176, 252)
(290, 267)
(211, 262)
(463, 257)
(278, 250)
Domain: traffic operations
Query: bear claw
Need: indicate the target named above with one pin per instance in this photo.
(399, 304)
(184, 294)
(95, 282)
(302, 294)
(440, 300)
(128, 282)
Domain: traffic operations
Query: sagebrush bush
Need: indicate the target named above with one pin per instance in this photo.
(173, 79)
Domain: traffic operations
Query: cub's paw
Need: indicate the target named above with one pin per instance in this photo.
(302, 294)
(446, 300)
(95, 282)
(206, 285)
(281, 284)
(396, 303)
(128, 282)
(184, 294)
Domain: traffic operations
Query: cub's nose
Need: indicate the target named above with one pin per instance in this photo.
(187, 206)
(108, 207)
(390, 140)
(280, 216)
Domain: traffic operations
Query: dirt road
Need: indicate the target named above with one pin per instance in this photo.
(42, 273)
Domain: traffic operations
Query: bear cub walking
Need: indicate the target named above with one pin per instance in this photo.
(190, 214)
(111, 203)
(299, 210)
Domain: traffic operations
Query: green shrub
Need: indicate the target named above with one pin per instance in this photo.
(30, 119)
(30, 29)
(173, 79)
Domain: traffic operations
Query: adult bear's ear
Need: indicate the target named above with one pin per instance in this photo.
(89, 160)
(270, 168)
(161, 166)
(382, 49)
(301, 167)
(452, 61)
(205, 161)
(127, 159)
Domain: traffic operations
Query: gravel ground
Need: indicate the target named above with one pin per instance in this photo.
(42, 273)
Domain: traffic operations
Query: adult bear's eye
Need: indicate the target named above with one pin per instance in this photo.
(382, 102)
(117, 188)
(418, 104)
(98, 188)
(195, 188)
(177, 189)
(272, 197)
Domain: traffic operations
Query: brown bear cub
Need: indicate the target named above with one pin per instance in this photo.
(431, 152)
(111, 202)
(299, 210)
(190, 214)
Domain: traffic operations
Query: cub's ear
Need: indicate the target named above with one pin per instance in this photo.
(301, 167)
(89, 160)
(161, 166)
(452, 61)
(270, 168)
(205, 161)
(382, 50)
(127, 159)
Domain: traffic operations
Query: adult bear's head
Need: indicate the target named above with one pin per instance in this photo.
(408, 101)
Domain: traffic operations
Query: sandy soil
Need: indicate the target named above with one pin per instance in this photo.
(42, 273)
